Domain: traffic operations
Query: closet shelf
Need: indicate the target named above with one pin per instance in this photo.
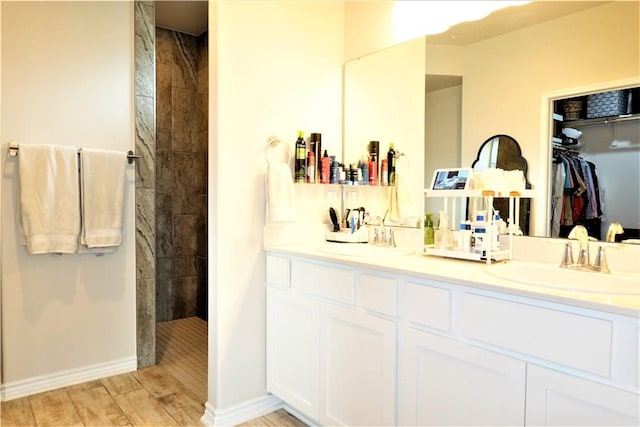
(567, 147)
(602, 120)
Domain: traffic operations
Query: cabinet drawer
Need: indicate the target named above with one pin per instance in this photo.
(427, 305)
(569, 339)
(333, 283)
(278, 274)
(555, 398)
(379, 294)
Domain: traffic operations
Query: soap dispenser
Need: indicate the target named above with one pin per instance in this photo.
(428, 229)
(444, 237)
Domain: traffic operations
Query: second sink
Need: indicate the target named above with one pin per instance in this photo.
(551, 276)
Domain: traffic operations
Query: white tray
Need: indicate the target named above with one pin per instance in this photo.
(499, 255)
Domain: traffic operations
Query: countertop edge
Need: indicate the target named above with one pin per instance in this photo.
(478, 278)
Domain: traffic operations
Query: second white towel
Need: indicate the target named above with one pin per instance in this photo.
(102, 195)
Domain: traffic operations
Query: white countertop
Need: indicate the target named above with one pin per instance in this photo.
(470, 274)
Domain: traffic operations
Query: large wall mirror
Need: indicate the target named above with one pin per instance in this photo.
(501, 75)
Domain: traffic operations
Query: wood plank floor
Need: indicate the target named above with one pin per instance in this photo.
(171, 393)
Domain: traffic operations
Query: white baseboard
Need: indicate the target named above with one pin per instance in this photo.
(298, 415)
(240, 413)
(16, 389)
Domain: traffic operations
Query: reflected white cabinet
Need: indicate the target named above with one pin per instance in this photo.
(555, 398)
(448, 382)
(293, 350)
(358, 368)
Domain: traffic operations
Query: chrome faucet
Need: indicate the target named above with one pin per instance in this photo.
(600, 263)
(383, 236)
(580, 233)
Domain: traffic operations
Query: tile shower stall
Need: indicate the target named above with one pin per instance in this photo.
(181, 175)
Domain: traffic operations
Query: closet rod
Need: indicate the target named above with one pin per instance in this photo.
(14, 147)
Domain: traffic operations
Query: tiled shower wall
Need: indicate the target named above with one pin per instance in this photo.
(145, 183)
(181, 175)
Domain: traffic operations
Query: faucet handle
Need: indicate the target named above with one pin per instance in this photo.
(583, 258)
(600, 263)
(567, 257)
(392, 239)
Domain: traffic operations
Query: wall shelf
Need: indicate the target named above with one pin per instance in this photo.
(602, 120)
(478, 193)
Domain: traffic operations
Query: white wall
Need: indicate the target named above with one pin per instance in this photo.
(443, 109)
(275, 68)
(67, 79)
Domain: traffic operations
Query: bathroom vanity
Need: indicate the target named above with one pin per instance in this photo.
(403, 339)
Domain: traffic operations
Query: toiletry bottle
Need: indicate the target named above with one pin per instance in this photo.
(384, 172)
(428, 229)
(301, 159)
(325, 166)
(495, 232)
(464, 242)
(315, 145)
(373, 173)
(353, 174)
(311, 168)
(478, 232)
(443, 238)
(334, 174)
(365, 170)
(391, 164)
(374, 149)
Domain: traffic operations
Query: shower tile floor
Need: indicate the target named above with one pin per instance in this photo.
(181, 349)
(170, 393)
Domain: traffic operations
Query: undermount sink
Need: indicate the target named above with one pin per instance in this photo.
(362, 249)
(551, 276)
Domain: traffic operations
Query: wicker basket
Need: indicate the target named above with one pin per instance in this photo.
(572, 109)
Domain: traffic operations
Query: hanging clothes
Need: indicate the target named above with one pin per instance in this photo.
(575, 194)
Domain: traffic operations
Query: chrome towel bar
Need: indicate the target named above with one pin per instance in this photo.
(14, 147)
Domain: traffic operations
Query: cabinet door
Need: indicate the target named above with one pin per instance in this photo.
(447, 382)
(555, 398)
(358, 368)
(293, 350)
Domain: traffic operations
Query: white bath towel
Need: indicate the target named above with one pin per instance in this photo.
(279, 183)
(102, 194)
(49, 208)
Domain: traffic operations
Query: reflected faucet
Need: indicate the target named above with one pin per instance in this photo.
(580, 233)
(614, 228)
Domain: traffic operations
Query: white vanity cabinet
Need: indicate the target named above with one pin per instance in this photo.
(447, 382)
(293, 350)
(351, 344)
(358, 367)
(328, 358)
(558, 399)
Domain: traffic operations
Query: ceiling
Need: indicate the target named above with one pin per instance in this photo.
(185, 16)
(509, 19)
(500, 22)
(189, 16)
